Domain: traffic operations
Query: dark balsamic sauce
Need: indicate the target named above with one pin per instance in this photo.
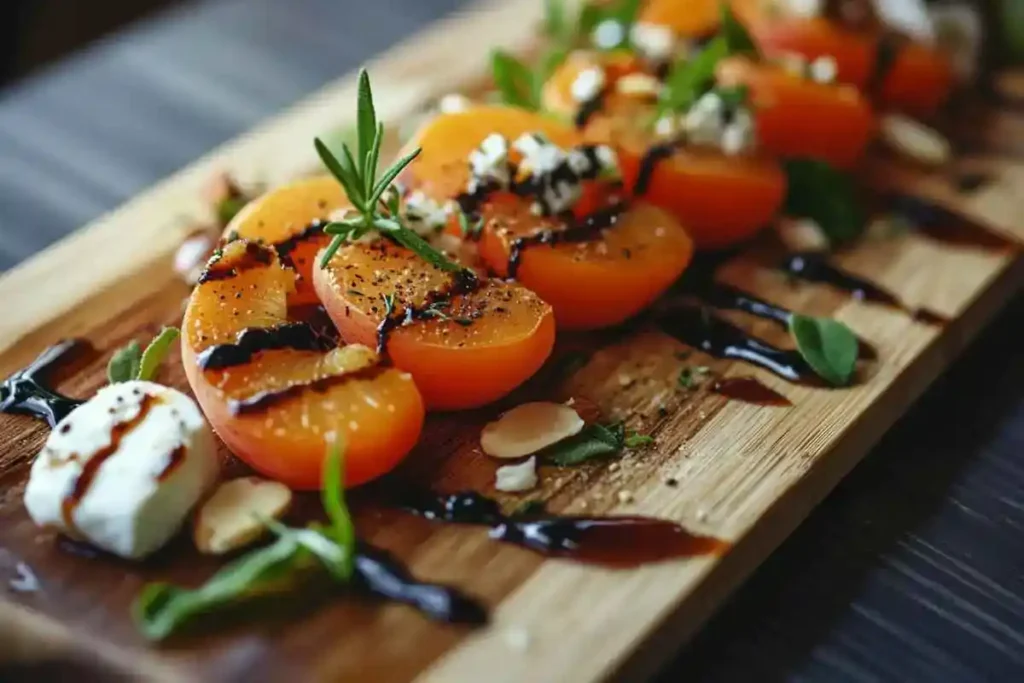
(174, 461)
(966, 183)
(944, 225)
(887, 52)
(609, 541)
(580, 230)
(463, 282)
(284, 249)
(652, 157)
(300, 336)
(264, 399)
(749, 390)
(814, 267)
(91, 467)
(255, 256)
(588, 109)
(379, 573)
(25, 392)
(700, 328)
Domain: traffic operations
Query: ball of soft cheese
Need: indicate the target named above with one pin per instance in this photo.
(123, 470)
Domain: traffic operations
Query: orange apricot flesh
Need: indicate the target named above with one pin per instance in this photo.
(476, 347)
(798, 118)
(721, 200)
(595, 283)
(276, 408)
(284, 218)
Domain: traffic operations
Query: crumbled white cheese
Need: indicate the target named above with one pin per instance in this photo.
(710, 123)
(541, 160)
(638, 85)
(653, 41)
(824, 69)
(588, 84)
(163, 460)
(667, 126)
(489, 163)
(608, 34)
(453, 103)
(425, 216)
(516, 478)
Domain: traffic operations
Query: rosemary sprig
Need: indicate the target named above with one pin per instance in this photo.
(374, 207)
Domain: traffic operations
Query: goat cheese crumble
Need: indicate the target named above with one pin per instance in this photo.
(554, 176)
(488, 164)
(653, 41)
(424, 216)
(588, 84)
(711, 122)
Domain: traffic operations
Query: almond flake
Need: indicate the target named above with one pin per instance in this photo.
(231, 517)
(915, 140)
(528, 428)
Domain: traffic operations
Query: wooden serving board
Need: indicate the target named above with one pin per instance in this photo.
(746, 474)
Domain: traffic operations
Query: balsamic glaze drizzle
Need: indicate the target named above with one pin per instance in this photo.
(887, 52)
(588, 109)
(609, 541)
(264, 399)
(255, 255)
(700, 328)
(463, 282)
(25, 392)
(814, 267)
(652, 157)
(579, 230)
(749, 390)
(379, 573)
(300, 336)
(284, 249)
(944, 225)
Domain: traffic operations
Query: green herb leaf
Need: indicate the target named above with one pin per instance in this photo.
(343, 175)
(514, 81)
(734, 97)
(737, 39)
(828, 197)
(691, 377)
(124, 364)
(155, 353)
(389, 175)
(420, 247)
(160, 609)
(635, 440)
(593, 441)
(828, 346)
(688, 80)
(366, 126)
(342, 530)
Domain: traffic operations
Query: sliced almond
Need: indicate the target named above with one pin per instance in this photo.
(516, 478)
(232, 517)
(915, 140)
(528, 428)
(638, 85)
(801, 234)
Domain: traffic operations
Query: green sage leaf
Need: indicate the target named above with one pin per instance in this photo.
(155, 353)
(817, 191)
(124, 364)
(828, 346)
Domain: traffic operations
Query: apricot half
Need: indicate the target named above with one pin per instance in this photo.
(275, 390)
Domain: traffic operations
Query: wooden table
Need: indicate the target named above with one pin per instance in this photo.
(912, 570)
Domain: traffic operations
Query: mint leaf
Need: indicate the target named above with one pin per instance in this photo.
(124, 364)
(819, 192)
(155, 353)
(515, 81)
(593, 441)
(828, 346)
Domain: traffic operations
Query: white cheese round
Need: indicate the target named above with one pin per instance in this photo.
(123, 470)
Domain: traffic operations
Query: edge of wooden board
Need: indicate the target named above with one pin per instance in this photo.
(636, 628)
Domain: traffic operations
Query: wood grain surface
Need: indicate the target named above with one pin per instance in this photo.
(747, 474)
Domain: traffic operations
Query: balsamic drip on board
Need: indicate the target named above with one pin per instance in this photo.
(26, 393)
(463, 282)
(814, 267)
(944, 225)
(698, 327)
(749, 390)
(609, 541)
(579, 230)
(379, 573)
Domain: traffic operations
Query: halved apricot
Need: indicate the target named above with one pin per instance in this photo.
(466, 342)
(721, 200)
(287, 219)
(797, 117)
(442, 169)
(275, 392)
(919, 79)
(592, 283)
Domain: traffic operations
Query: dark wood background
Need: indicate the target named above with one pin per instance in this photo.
(912, 570)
